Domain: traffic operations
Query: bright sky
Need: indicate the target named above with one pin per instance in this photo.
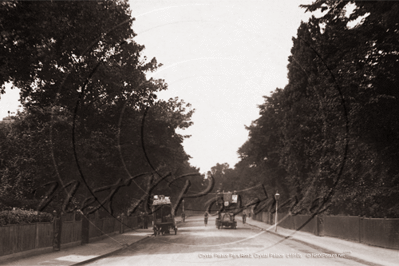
(222, 57)
(9, 101)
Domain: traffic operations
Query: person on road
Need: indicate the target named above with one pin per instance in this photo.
(244, 217)
(206, 214)
(183, 217)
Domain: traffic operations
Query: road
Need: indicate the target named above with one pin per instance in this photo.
(196, 244)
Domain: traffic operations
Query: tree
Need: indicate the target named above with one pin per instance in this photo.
(331, 133)
(260, 159)
(73, 52)
(26, 159)
(92, 118)
(29, 169)
(364, 62)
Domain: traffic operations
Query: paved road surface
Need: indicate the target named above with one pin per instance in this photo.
(196, 244)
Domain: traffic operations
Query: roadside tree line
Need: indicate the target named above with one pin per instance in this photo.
(91, 114)
(330, 136)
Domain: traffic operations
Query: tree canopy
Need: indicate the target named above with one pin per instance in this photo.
(330, 137)
(92, 127)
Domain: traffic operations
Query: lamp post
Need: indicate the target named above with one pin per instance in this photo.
(277, 196)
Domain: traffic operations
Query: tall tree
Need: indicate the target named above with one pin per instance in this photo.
(364, 60)
(91, 112)
(65, 52)
(334, 135)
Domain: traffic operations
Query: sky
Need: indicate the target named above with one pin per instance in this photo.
(220, 56)
(9, 102)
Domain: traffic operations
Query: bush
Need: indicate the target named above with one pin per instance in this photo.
(23, 216)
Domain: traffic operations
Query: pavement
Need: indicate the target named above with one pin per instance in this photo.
(83, 253)
(369, 255)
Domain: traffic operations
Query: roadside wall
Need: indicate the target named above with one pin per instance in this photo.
(23, 237)
(372, 231)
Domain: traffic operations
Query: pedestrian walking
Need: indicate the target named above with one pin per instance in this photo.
(206, 214)
(244, 217)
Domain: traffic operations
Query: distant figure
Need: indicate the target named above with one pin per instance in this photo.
(244, 217)
(140, 223)
(206, 214)
(183, 216)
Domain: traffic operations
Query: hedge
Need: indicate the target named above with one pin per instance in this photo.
(19, 216)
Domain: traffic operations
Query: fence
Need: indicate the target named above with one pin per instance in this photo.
(23, 237)
(380, 232)
(17, 238)
(372, 231)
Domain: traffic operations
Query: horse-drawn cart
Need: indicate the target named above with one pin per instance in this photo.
(164, 220)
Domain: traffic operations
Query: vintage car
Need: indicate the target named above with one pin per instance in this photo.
(226, 217)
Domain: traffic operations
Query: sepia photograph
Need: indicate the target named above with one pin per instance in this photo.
(199, 132)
